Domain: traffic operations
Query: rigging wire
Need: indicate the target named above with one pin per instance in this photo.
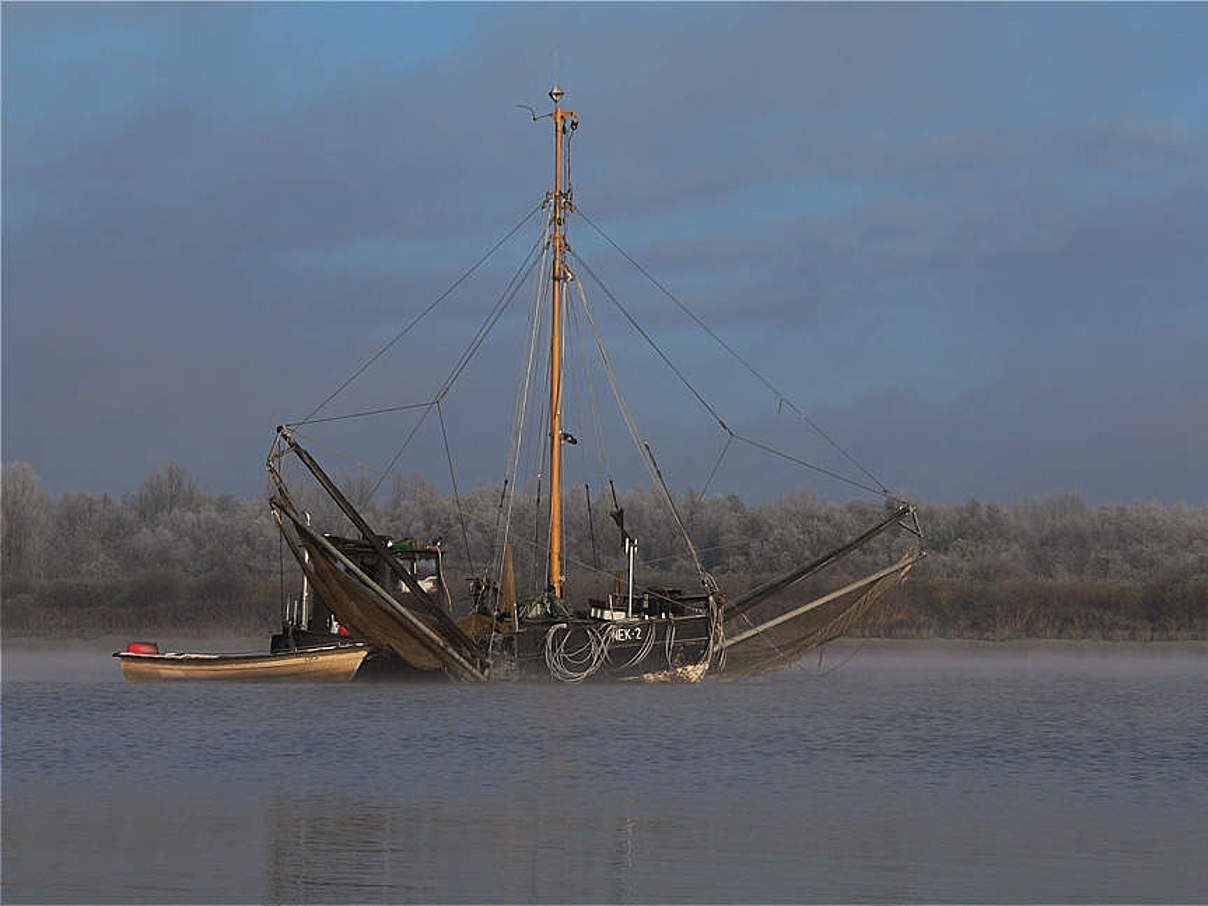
(579, 335)
(493, 317)
(808, 465)
(537, 546)
(414, 321)
(644, 452)
(540, 453)
(537, 451)
(537, 455)
(717, 465)
(880, 489)
(591, 526)
(653, 345)
(540, 458)
(797, 410)
(575, 380)
(509, 293)
(467, 356)
(601, 445)
(515, 451)
(362, 414)
(578, 381)
(313, 441)
(465, 536)
(507, 497)
(675, 515)
(384, 473)
(531, 452)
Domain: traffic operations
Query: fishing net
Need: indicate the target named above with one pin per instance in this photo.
(782, 640)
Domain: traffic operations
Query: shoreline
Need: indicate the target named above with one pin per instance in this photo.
(210, 633)
(90, 660)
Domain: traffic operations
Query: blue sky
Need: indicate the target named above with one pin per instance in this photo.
(969, 240)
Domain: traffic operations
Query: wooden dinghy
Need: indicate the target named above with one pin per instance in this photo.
(332, 663)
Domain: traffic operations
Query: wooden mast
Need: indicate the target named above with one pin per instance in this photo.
(560, 117)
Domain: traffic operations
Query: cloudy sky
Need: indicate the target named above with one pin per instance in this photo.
(970, 241)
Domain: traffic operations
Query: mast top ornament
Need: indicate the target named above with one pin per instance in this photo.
(556, 94)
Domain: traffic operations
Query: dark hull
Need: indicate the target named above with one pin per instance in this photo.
(576, 650)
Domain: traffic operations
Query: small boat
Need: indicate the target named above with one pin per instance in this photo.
(143, 662)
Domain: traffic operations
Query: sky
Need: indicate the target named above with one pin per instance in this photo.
(970, 241)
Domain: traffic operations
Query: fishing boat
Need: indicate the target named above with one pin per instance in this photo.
(144, 662)
(392, 594)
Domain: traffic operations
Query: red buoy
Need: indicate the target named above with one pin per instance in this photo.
(142, 648)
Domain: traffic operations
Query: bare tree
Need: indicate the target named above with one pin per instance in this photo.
(27, 515)
(162, 493)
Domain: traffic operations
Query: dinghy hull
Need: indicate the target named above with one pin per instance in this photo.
(337, 663)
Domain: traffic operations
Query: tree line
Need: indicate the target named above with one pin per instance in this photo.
(173, 556)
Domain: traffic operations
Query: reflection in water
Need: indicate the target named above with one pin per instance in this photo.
(339, 848)
(623, 864)
(328, 848)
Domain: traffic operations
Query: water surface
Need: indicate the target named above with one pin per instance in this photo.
(909, 771)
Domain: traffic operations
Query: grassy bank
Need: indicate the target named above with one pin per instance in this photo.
(77, 608)
(1043, 609)
(923, 608)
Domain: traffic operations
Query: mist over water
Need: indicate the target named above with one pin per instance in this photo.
(887, 772)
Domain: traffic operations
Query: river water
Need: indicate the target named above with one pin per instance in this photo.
(880, 772)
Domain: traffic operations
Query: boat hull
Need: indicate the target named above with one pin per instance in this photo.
(576, 650)
(332, 664)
